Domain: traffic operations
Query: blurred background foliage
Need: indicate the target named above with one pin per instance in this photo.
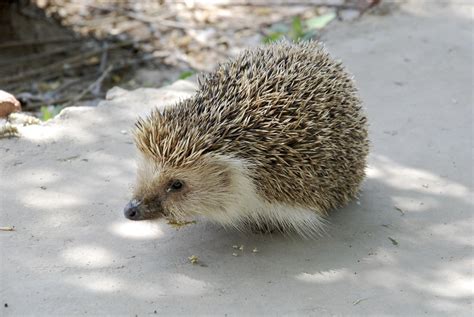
(58, 53)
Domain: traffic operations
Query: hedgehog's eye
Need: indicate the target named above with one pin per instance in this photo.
(175, 185)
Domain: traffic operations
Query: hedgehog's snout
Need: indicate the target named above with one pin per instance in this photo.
(133, 211)
(137, 209)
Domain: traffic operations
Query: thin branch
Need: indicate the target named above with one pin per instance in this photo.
(60, 64)
(32, 57)
(323, 3)
(103, 58)
(97, 83)
(37, 42)
(341, 5)
(92, 87)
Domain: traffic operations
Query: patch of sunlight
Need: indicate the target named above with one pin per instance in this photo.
(456, 231)
(464, 10)
(87, 256)
(48, 198)
(455, 281)
(324, 277)
(36, 176)
(136, 229)
(96, 282)
(185, 285)
(146, 289)
(407, 178)
(75, 126)
(38, 133)
(65, 217)
(373, 172)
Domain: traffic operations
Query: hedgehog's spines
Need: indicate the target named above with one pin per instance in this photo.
(288, 108)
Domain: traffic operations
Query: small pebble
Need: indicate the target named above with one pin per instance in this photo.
(255, 250)
(235, 254)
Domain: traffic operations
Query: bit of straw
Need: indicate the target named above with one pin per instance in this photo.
(193, 259)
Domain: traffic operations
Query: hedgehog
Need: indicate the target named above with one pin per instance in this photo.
(272, 140)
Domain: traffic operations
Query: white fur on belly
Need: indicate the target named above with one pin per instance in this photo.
(246, 206)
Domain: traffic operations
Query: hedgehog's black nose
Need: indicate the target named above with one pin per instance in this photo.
(132, 210)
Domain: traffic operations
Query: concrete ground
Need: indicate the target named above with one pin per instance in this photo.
(406, 248)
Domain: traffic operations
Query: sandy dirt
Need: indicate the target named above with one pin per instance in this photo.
(404, 249)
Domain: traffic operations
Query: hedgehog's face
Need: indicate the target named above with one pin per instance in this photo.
(179, 192)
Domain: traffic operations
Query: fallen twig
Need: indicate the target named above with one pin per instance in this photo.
(356, 302)
(109, 70)
(103, 58)
(7, 228)
(36, 42)
(60, 64)
(92, 87)
(307, 3)
(394, 242)
(52, 67)
(400, 210)
(31, 57)
(72, 83)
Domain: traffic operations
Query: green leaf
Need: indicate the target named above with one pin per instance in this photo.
(186, 74)
(45, 113)
(272, 37)
(297, 28)
(48, 112)
(321, 21)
